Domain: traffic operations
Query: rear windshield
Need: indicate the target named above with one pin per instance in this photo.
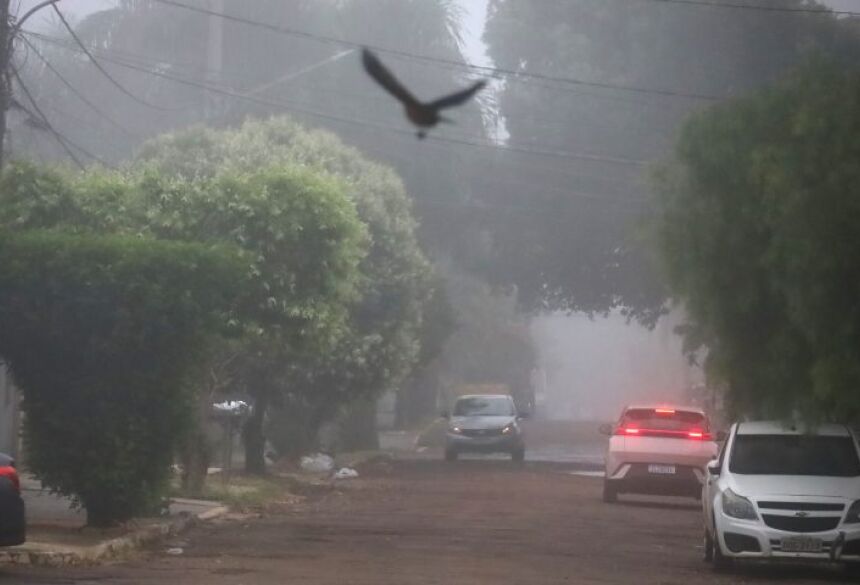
(664, 420)
(794, 455)
(484, 406)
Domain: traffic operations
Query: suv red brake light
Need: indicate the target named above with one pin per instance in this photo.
(12, 474)
(700, 435)
(637, 432)
(666, 422)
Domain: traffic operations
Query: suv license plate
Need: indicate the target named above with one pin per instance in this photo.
(801, 544)
(662, 469)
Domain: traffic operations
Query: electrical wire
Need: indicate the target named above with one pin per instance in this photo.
(76, 92)
(759, 8)
(103, 71)
(496, 71)
(311, 112)
(62, 140)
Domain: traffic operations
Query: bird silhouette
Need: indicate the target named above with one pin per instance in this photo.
(423, 114)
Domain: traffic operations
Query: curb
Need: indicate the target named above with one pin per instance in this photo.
(34, 555)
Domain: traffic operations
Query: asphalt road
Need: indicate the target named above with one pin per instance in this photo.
(427, 522)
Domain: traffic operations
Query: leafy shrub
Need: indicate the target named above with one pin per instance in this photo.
(101, 333)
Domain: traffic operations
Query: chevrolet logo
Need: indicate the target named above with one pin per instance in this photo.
(801, 514)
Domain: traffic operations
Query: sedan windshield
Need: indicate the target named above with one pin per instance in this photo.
(794, 455)
(484, 406)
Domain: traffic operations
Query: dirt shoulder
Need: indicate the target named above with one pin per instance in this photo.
(423, 522)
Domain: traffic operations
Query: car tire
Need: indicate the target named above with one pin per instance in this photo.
(518, 455)
(709, 547)
(451, 455)
(610, 494)
(719, 561)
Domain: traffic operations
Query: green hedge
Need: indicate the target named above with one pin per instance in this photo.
(101, 333)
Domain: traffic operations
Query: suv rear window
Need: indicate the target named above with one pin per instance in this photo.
(794, 455)
(659, 419)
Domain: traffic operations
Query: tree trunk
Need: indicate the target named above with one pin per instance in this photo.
(359, 432)
(195, 463)
(255, 440)
(5, 61)
(196, 453)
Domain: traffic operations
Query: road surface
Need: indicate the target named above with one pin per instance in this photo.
(427, 522)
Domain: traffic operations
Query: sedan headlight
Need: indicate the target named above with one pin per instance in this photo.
(737, 506)
(455, 430)
(511, 428)
(853, 515)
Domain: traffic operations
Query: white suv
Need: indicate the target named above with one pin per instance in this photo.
(784, 491)
(660, 450)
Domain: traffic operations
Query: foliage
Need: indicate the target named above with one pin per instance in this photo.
(101, 334)
(757, 229)
(564, 228)
(281, 73)
(298, 237)
(380, 340)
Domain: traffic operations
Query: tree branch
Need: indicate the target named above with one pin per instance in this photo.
(20, 22)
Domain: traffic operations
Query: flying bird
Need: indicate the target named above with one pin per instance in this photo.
(424, 115)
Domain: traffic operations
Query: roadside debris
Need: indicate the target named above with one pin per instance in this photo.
(317, 463)
(346, 473)
(231, 408)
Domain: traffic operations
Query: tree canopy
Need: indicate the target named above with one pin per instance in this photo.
(379, 342)
(757, 230)
(102, 334)
(566, 228)
(298, 242)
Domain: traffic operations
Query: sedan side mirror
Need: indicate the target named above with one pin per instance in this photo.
(714, 468)
(605, 429)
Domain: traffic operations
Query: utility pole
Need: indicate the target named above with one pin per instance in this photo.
(8, 32)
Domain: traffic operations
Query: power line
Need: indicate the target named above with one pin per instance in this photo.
(59, 137)
(304, 110)
(760, 8)
(497, 71)
(98, 65)
(625, 203)
(110, 56)
(75, 91)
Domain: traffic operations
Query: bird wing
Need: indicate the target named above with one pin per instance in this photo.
(455, 99)
(385, 78)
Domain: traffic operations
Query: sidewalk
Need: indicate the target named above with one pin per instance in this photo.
(57, 535)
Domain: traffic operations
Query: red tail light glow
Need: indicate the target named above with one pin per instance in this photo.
(695, 435)
(12, 474)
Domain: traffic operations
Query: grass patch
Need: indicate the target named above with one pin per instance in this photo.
(241, 492)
